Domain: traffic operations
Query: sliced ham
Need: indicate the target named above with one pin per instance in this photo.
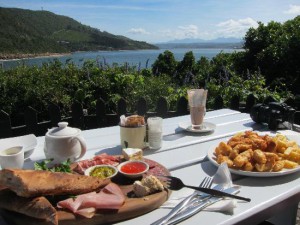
(102, 159)
(87, 212)
(110, 197)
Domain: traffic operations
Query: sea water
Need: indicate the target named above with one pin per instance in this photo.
(138, 58)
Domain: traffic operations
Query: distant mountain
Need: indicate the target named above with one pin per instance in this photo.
(201, 43)
(196, 40)
(27, 31)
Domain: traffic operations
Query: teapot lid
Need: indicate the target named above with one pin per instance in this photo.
(63, 130)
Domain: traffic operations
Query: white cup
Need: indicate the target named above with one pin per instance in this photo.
(155, 132)
(12, 157)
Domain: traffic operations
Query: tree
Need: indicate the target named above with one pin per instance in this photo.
(165, 64)
(202, 71)
(275, 49)
(185, 69)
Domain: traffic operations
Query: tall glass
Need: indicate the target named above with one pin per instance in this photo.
(197, 105)
(155, 132)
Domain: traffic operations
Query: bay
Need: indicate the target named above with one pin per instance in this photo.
(138, 58)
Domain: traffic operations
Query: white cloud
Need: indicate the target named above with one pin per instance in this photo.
(235, 28)
(293, 9)
(181, 32)
(138, 31)
(190, 31)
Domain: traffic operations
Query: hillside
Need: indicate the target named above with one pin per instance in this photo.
(35, 32)
(200, 45)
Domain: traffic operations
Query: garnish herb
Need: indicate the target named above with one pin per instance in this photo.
(63, 167)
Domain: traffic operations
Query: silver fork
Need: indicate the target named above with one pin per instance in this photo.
(191, 210)
(206, 182)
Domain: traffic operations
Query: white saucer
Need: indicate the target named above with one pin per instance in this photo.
(206, 127)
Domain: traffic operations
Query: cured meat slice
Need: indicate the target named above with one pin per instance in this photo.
(30, 183)
(114, 189)
(38, 207)
(102, 159)
(110, 197)
(87, 212)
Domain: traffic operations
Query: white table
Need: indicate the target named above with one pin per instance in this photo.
(184, 154)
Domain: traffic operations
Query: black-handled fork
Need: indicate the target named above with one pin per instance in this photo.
(174, 183)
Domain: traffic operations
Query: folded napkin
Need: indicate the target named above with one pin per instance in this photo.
(27, 141)
(223, 177)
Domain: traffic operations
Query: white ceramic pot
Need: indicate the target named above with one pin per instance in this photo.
(63, 142)
(133, 137)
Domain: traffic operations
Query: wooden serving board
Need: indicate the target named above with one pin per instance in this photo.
(132, 207)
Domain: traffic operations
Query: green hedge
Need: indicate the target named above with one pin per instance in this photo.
(63, 83)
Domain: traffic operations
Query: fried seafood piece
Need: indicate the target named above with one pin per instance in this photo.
(226, 159)
(234, 142)
(248, 153)
(37, 207)
(251, 134)
(271, 157)
(265, 167)
(242, 147)
(234, 153)
(259, 156)
(248, 166)
(240, 161)
(223, 149)
(30, 183)
(271, 144)
(259, 143)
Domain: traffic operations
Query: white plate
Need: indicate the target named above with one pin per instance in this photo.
(211, 157)
(207, 127)
(29, 142)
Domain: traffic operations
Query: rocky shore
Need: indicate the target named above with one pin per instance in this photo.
(12, 56)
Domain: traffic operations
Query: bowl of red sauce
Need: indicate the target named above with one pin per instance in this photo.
(133, 169)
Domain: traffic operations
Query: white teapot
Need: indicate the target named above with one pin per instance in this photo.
(63, 142)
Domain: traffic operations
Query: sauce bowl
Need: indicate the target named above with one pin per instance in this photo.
(101, 171)
(133, 169)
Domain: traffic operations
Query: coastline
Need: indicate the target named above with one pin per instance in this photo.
(19, 56)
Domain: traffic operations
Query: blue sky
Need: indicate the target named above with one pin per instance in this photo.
(163, 20)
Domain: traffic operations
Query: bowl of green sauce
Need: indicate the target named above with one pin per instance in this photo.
(101, 171)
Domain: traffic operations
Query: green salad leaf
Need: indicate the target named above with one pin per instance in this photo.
(63, 167)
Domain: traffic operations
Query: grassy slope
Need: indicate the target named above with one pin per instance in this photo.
(27, 31)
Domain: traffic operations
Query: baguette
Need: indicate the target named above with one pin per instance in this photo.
(32, 183)
(37, 207)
